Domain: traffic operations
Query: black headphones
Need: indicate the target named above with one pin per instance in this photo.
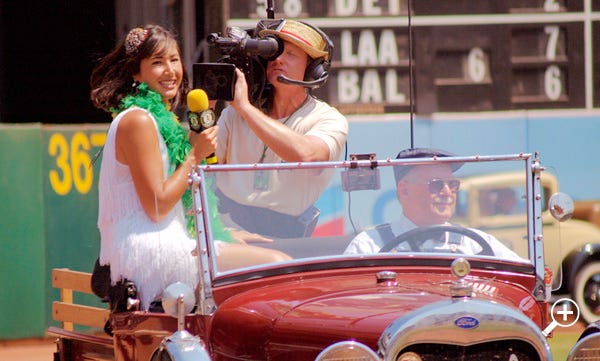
(318, 69)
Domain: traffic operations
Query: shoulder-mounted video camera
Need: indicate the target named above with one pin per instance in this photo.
(242, 49)
(250, 52)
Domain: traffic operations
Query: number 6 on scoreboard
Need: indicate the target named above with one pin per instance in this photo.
(552, 82)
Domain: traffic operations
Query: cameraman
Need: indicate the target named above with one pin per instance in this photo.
(294, 126)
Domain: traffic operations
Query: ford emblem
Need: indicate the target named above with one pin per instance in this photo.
(466, 322)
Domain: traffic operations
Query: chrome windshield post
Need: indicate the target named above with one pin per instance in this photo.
(537, 242)
(206, 304)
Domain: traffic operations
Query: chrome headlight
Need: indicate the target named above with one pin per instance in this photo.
(347, 350)
(181, 346)
(588, 349)
(178, 300)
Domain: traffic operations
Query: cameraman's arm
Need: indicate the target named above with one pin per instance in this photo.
(289, 145)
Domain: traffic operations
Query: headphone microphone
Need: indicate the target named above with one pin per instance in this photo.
(317, 71)
(307, 84)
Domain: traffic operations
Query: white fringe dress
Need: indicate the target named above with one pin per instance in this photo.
(152, 255)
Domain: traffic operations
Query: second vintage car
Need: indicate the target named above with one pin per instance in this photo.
(497, 203)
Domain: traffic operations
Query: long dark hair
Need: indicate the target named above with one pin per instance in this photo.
(112, 77)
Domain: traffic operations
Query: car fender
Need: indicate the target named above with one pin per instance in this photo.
(576, 259)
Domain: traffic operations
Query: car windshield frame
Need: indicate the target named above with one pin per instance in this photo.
(212, 275)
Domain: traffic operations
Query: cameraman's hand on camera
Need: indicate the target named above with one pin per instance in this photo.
(240, 96)
(204, 143)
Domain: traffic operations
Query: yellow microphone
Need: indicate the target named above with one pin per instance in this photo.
(200, 117)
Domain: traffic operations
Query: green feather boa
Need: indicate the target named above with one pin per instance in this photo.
(178, 147)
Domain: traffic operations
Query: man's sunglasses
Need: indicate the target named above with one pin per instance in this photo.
(435, 185)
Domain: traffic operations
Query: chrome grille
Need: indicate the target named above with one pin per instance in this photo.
(501, 350)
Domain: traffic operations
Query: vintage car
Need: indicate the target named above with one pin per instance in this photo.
(440, 292)
(497, 203)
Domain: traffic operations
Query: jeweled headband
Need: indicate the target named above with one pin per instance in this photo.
(134, 39)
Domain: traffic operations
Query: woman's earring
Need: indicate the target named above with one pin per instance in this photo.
(135, 84)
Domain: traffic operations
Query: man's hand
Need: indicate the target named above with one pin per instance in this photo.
(240, 97)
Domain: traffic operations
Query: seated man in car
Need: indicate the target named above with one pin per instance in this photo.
(427, 194)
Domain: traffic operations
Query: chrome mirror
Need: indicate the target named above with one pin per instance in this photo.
(561, 206)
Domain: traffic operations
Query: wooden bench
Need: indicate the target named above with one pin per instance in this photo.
(70, 313)
(73, 345)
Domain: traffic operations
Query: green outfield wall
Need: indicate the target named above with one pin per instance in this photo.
(49, 193)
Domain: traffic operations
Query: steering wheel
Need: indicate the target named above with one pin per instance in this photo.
(417, 236)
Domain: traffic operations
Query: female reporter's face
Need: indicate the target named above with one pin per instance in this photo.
(162, 71)
(291, 63)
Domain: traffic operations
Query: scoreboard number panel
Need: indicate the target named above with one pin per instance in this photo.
(546, 73)
(303, 9)
(369, 90)
(453, 7)
(257, 9)
(458, 68)
(370, 71)
(484, 55)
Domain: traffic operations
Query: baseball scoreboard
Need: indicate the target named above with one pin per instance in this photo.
(467, 55)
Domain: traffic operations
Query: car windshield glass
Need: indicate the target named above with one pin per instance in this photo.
(284, 214)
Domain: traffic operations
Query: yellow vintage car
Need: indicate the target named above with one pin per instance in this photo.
(496, 203)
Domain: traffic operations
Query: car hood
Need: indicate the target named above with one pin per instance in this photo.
(305, 316)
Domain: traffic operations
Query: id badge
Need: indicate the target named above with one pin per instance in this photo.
(261, 180)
